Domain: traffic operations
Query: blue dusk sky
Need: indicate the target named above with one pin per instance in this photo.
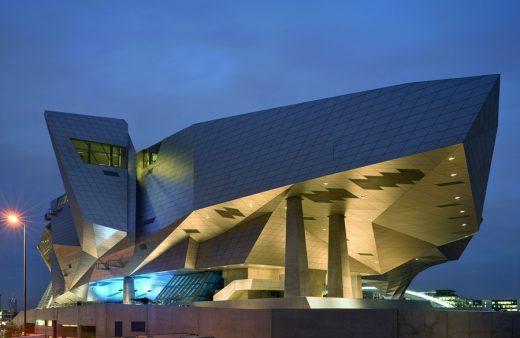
(164, 65)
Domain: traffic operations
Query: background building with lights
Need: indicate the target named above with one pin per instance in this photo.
(506, 305)
(7, 313)
(450, 299)
(312, 199)
(458, 302)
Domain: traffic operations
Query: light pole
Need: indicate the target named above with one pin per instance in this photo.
(14, 219)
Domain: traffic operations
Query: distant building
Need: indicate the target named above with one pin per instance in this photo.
(509, 305)
(451, 297)
(5, 316)
(13, 308)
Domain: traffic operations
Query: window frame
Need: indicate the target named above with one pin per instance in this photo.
(102, 154)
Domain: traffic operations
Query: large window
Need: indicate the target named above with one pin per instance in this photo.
(150, 155)
(100, 153)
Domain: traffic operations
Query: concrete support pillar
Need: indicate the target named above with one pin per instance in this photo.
(316, 282)
(128, 290)
(357, 291)
(296, 266)
(191, 255)
(338, 276)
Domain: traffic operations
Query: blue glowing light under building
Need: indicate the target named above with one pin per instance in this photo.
(111, 290)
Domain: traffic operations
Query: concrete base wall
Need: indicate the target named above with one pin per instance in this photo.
(279, 322)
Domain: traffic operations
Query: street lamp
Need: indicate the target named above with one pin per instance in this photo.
(15, 220)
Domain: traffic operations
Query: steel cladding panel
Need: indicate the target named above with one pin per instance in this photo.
(250, 153)
(225, 159)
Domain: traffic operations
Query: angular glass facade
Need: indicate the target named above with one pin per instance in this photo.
(268, 199)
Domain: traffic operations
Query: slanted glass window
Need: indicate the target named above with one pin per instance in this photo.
(100, 153)
(150, 155)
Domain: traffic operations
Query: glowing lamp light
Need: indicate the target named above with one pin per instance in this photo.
(12, 219)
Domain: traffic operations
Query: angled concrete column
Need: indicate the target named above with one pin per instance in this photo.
(339, 281)
(296, 266)
(128, 290)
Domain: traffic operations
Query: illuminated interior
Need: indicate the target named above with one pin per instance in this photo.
(111, 290)
(100, 153)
